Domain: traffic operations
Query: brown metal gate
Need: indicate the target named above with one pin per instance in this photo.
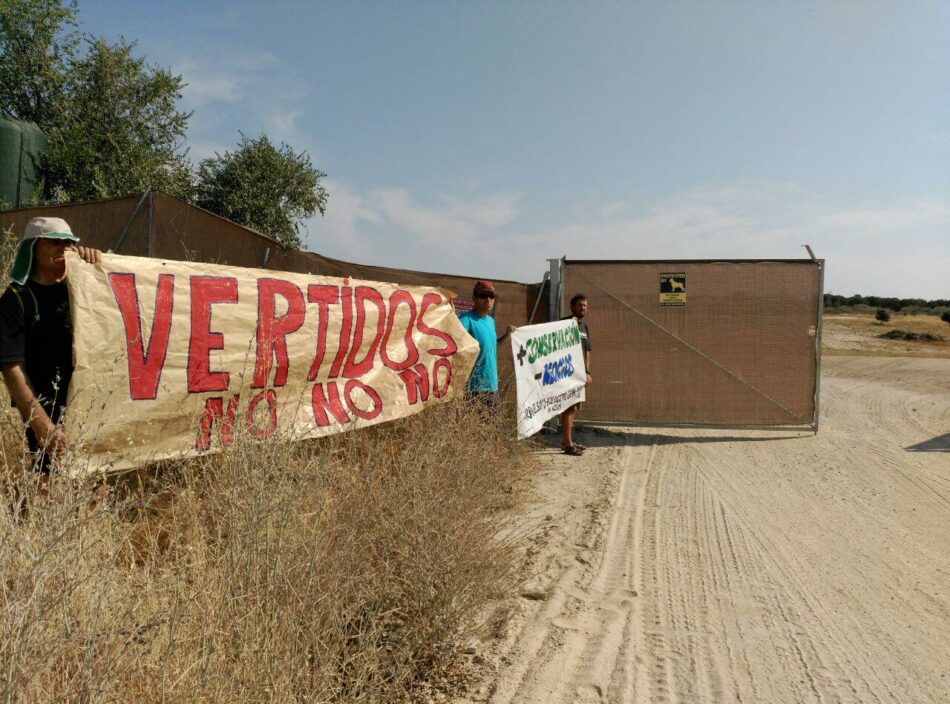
(699, 342)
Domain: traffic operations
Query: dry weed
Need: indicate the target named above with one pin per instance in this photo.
(8, 246)
(345, 569)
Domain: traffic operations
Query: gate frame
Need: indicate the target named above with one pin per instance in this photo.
(556, 295)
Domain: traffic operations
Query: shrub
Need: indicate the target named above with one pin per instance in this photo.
(910, 336)
(945, 317)
(340, 570)
(882, 315)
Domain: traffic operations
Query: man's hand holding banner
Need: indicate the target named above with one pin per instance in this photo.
(172, 359)
(549, 372)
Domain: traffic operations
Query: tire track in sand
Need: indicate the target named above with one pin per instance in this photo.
(755, 568)
(575, 652)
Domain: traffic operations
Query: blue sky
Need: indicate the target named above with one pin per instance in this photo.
(484, 137)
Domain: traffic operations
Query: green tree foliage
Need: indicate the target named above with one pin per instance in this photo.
(115, 128)
(119, 130)
(112, 120)
(37, 46)
(263, 187)
(833, 300)
(882, 315)
(945, 317)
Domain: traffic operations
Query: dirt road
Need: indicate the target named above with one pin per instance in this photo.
(704, 566)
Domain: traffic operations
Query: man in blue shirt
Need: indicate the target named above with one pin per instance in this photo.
(483, 382)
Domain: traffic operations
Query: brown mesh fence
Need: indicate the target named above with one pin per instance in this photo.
(741, 351)
(734, 342)
(165, 227)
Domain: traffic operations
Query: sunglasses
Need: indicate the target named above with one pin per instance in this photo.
(485, 295)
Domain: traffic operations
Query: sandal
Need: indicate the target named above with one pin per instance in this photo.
(573, 450)
(579, 446)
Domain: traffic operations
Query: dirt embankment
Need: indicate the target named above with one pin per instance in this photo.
(715, 566)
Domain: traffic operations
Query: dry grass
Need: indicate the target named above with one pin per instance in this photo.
(346, 569)
(8, 247)
(858, 334)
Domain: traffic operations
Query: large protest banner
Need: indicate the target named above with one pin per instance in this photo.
(173, 359)
(549, 372)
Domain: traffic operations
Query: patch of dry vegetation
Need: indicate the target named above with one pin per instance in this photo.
(859, 334)
(345, 569)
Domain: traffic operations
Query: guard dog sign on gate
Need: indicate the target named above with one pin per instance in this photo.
(673, 289)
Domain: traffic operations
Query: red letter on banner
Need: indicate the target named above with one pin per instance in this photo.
(214, 413)
(400, 296)
(145, 368)
(443, 389)
(270, 396)
(272, 332)
(205, 291)
(328, 400)
(365, 294)
(323, 296)
(417, 383)
(346, 308)
(377, 402)
(450, 346)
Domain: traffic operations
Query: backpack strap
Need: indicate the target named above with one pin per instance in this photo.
(29, 320)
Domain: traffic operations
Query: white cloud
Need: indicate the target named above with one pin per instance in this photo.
(283, 123)
(898, 248)
(205, 150)
(225, 80)
(889, 220)
(613, 208)
(236, 90)
(201, 90)
(391, 227)
(339, 233)
(462, 219)
(492, 210)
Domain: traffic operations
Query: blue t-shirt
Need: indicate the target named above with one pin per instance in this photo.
(485, 373)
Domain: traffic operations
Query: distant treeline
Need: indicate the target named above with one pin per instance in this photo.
(907, 305)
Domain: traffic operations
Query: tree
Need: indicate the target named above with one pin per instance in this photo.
(945, 317)
(36, 50)
(882, 315)
(119, 129)
(267, 188)
(112, 120)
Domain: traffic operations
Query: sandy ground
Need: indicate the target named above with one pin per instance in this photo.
(727, 566)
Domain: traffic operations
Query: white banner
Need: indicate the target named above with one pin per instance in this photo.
(173, 359)
(549, 372)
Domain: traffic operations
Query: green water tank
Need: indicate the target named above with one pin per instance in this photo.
(22, 145)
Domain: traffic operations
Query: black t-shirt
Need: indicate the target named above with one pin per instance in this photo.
(585, 333)
(36, 330)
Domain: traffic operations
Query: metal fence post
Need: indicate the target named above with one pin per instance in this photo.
(554, 291)
(821, 324)
(118, 241)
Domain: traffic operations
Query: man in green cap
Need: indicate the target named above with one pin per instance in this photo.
(36, 353)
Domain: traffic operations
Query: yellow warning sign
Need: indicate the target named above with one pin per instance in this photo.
(673, 289)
